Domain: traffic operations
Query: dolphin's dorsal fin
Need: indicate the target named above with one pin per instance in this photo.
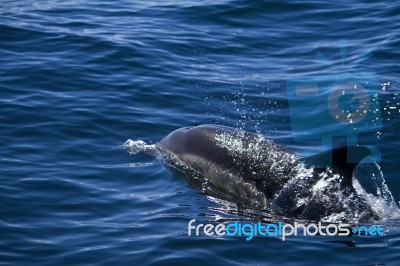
(342, 160)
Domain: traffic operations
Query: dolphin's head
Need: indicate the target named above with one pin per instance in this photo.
(177, 141)
(191, 140)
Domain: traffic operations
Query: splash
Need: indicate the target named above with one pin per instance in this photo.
(137, 146)
(369, 182)
(371, 191)
(128, 165)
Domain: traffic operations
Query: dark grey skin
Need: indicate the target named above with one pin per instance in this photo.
(254, 171)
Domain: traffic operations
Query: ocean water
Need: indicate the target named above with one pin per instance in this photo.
(79, 78)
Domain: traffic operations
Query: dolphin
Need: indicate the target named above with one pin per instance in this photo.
(255, 171)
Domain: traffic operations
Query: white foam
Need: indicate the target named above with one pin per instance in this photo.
(383, 203)
(137, 146)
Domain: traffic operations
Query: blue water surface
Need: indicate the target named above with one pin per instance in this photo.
(78, 78)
